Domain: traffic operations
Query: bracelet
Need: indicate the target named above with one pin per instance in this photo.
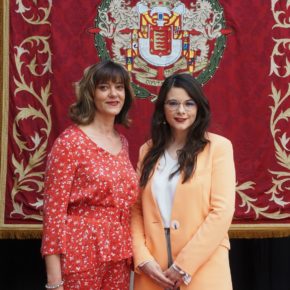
(177, 269)
(185, 276)
(54, 286)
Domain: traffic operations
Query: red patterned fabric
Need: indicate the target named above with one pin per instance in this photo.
(85, 196)
(246, 78)
(106, 275)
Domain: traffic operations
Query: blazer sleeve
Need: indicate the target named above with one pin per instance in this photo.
(140, 252)
(222, 205)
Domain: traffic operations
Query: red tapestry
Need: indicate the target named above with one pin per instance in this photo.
(238, 50)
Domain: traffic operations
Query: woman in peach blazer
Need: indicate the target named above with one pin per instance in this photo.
(182, 242)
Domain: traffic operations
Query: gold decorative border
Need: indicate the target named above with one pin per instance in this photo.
(281, 177)
(4, 103)
(238, 231)
(23, 230)
(8, 231)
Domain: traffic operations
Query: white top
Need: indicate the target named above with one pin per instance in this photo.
(163, 188)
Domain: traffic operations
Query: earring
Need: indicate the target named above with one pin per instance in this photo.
(164, 122)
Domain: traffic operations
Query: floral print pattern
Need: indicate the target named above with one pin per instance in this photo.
(87, 200)
(106, 276)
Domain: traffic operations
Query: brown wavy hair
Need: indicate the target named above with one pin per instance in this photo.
(82, 112)
(161, 132)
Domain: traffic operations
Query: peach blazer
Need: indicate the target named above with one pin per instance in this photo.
(201, 216)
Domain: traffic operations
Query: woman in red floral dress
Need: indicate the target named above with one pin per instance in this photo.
(90, 186)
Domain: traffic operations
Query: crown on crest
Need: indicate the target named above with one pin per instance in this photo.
(163, 3)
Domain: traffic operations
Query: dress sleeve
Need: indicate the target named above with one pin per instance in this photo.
(59, 177)
(222, 205)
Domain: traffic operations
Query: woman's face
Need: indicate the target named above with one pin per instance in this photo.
(109, 98)
(180, 110)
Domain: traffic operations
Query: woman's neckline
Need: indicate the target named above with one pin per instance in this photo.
(100, 147)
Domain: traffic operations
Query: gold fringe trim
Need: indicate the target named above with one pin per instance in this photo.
(236, 232)
(253, 231)
(20, 234)
(258, 234)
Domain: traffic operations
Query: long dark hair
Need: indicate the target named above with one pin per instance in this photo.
(161, 133)
(83, 110)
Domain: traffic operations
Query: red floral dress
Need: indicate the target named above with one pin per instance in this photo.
(87, 200)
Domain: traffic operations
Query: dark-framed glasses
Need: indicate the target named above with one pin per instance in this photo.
(173, 105)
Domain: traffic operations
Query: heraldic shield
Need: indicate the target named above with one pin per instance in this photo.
(160, 38)
(155, 39)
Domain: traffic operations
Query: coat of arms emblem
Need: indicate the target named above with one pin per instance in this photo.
(155, 39)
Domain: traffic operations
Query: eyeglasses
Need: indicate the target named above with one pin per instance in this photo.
(174, 105)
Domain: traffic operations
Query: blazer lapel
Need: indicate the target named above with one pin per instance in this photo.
(177, 202)
(152, 200)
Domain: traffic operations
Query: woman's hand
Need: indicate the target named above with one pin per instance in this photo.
(174, 276)
(153, 270)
